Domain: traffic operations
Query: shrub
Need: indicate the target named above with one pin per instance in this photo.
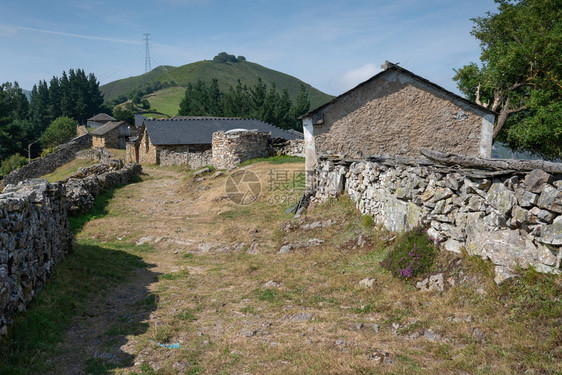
(12, 163)
(412, 254)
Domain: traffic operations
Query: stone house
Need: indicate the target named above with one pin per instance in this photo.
(185, 137)
(113, 134)
(99, 120)
(397, 112)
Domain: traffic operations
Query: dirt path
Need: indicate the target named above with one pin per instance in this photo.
(247, 289)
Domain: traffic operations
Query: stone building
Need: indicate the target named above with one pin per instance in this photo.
(179, 140)
(397, 112)
(113, 134)
(99, 120)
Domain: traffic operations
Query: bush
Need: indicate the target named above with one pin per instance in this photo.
(12, 163)
(59, 131)
(412, 255)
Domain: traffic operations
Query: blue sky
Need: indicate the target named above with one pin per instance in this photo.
(333, 45)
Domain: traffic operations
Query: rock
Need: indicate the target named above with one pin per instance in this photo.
(248, 333)
(181, 366)
(367, 282)
(527, 199)
(478, 335)
(143, 240)
(217, 174)
(501, 198)
(380, 356)
(272, 284)
(536, 179)
(442, 193)
(356, 327)
(285, 249)
(551, 199)
(536, 215)
(201, 171)
(552, 234)
(434, 283)
(503, 274)
(453, 245)
(429, 335)
(253, 249)
(301, 317)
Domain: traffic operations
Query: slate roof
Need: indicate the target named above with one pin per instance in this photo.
(107, 127)
(193, 131)
(394, 67)
(101, 117)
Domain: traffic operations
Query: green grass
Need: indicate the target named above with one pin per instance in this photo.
(90, 270)
(280, 159)
(167, 100)
(68, 169)
(99, 209)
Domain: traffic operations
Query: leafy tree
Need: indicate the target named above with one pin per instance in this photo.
(123, 114)
(59, 131)
(224, 57)
(12, 163)
(520, 75)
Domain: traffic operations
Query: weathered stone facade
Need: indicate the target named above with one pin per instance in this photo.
(293, 147)
(47, 164)
(233, 147)
(35, 236)
(512, 217)
(397, 113)
(193, 159)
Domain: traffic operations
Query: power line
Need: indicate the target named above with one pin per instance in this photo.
(147, 67)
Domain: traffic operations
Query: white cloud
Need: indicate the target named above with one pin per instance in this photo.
(353, 77)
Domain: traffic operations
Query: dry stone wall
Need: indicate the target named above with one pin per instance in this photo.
(47, 164)
(35, 230)
(86, 184)
(35, 236)
(512, 217)
(193, 159)
(233, 147)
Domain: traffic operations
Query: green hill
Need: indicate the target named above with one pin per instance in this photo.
(227, 74)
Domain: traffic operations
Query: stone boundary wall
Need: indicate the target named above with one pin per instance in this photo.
(35, 230)
(35, 236)
(193, 159)
(512, 217)
(47, 164)
(293, 147)
(99, 154)
(87, 183)
(233, 147)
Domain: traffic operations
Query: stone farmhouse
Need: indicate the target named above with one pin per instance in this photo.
(113, 134)
(99, 120)
(188, 140)
(397, 112)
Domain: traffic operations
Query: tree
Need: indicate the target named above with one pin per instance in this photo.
(123, 114)
(14, 126)
(521, 73)
(59, 131)
(12, 163)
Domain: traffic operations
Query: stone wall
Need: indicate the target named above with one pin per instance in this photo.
(293, 147)
(47, 164)
(193, 159)
(99, 154)
(87, 183)
(512, 217)
(233, 147)
(35, 236)
(35, 231)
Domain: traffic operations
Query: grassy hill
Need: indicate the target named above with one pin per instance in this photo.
(227, 74)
